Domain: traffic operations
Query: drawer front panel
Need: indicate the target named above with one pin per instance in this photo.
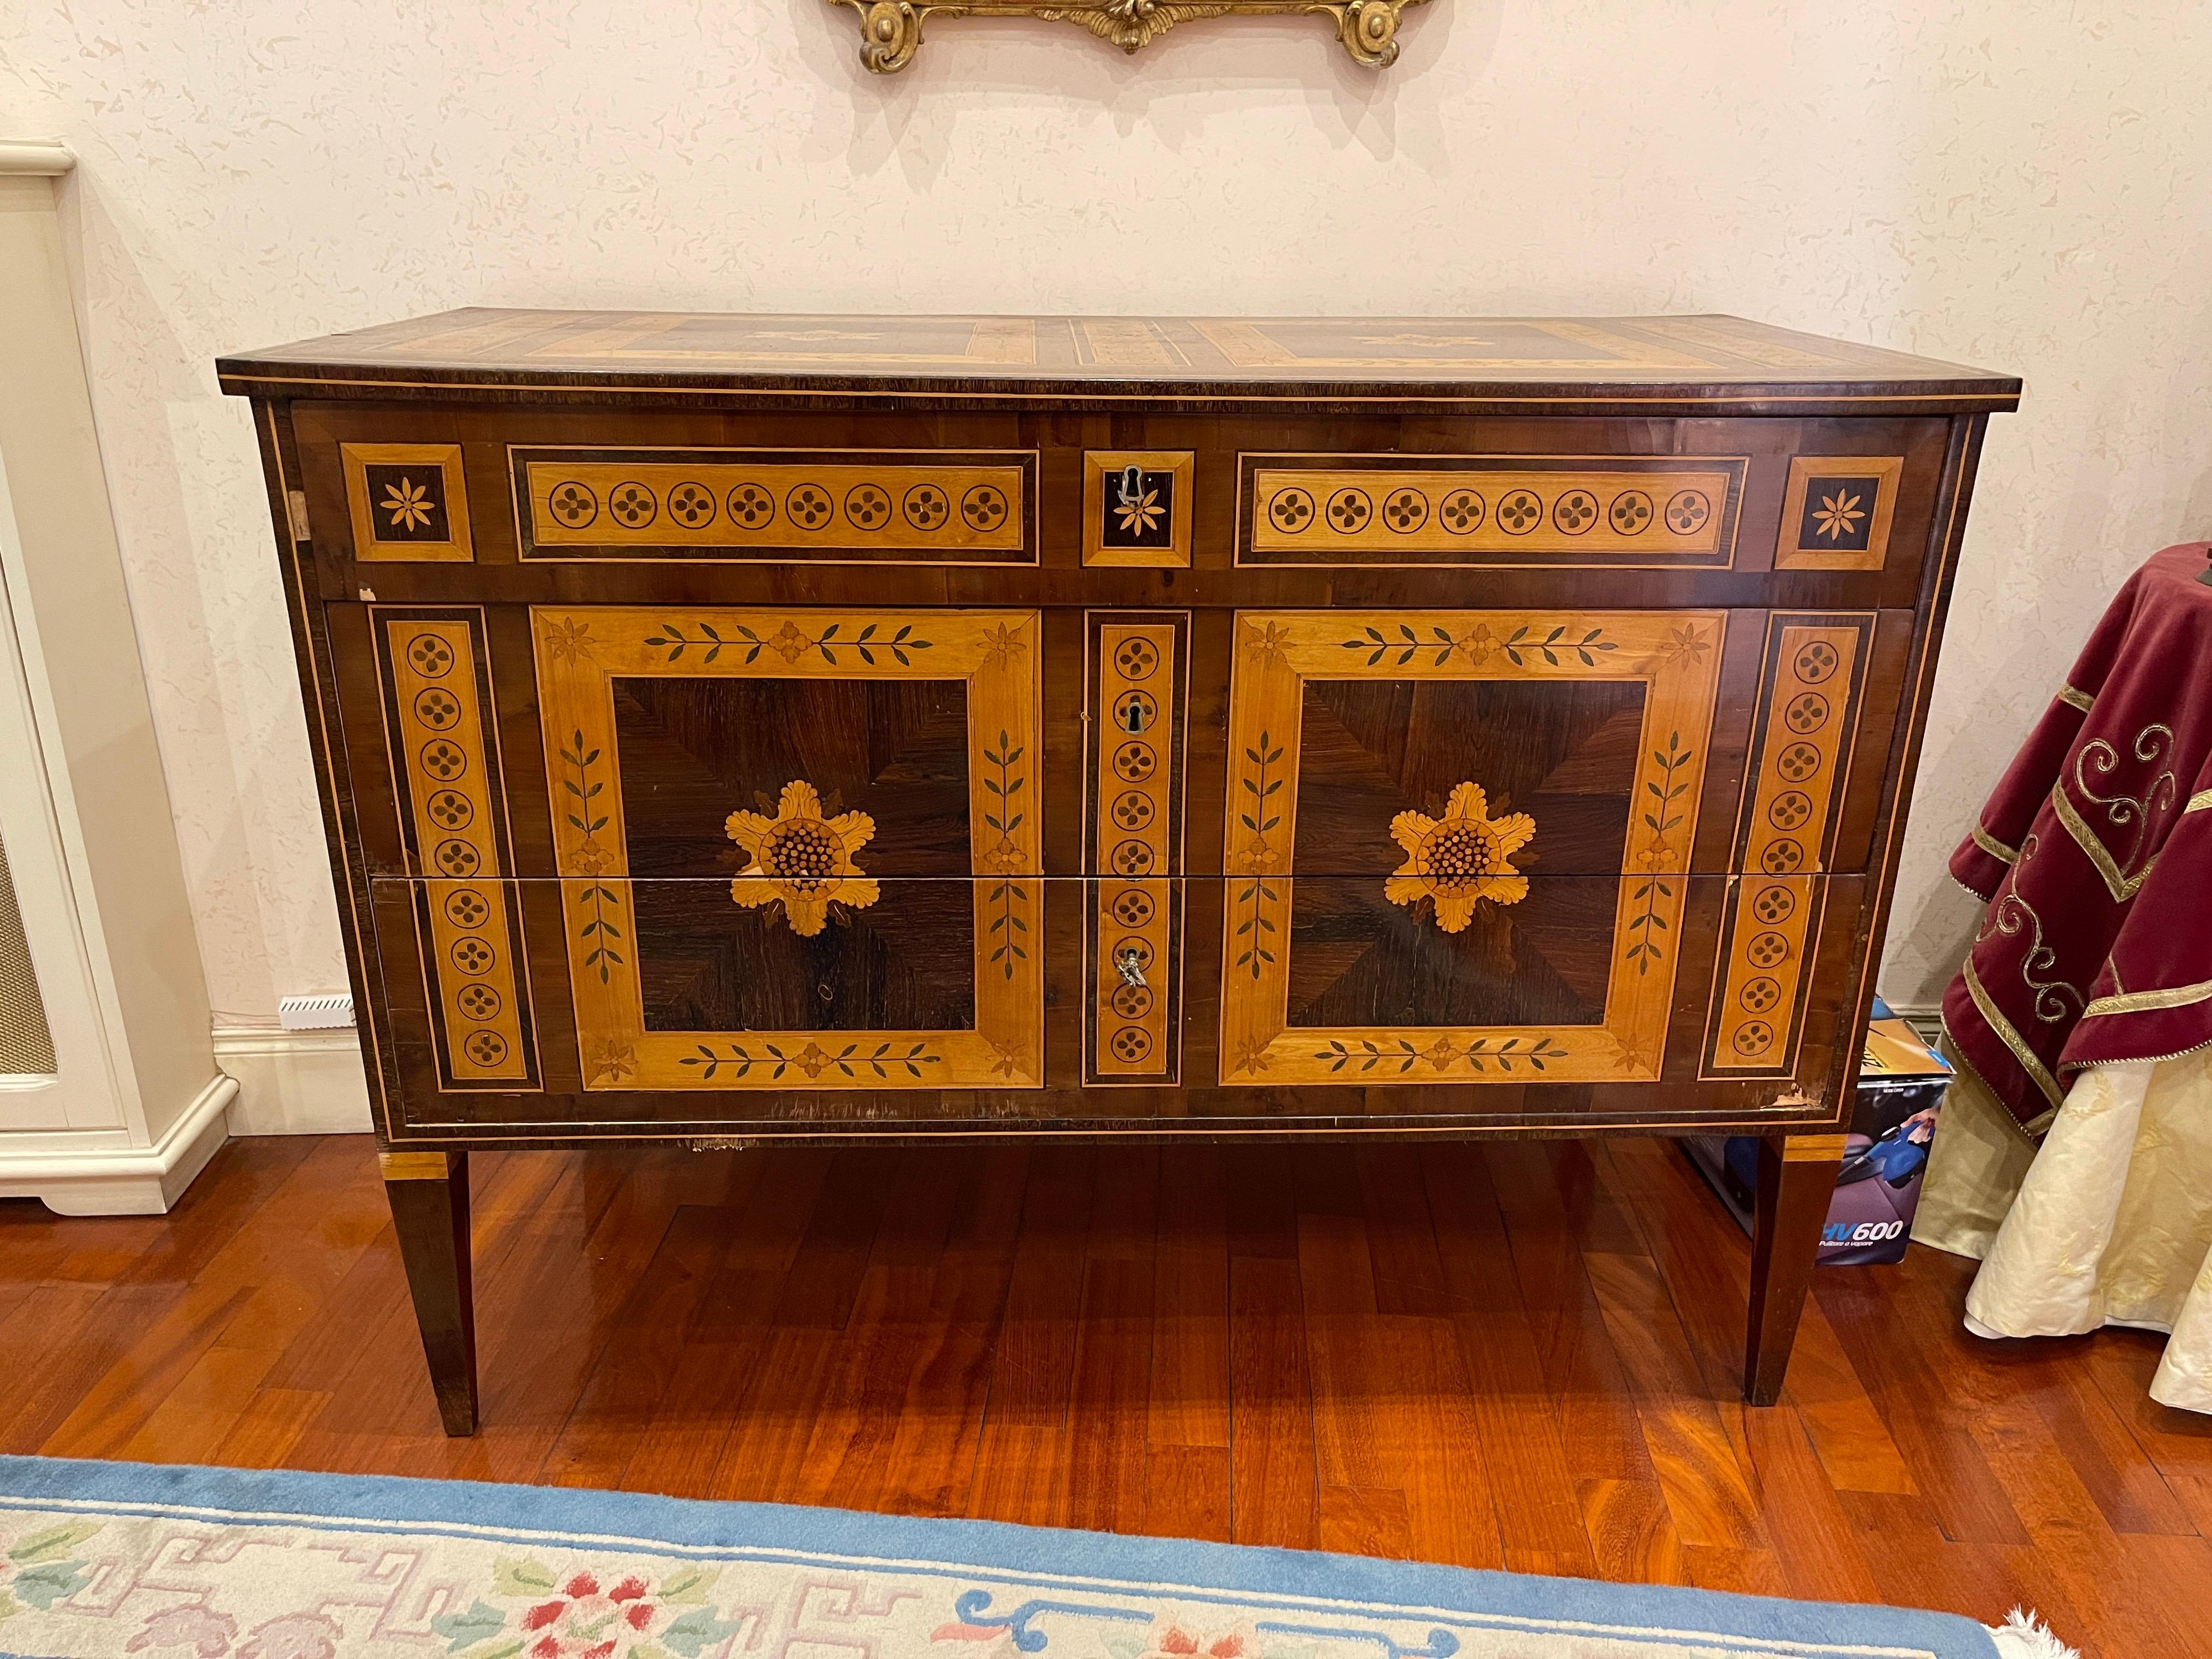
(910, 985)
(1349, 731)
(1734, 512)
(836, 506)
(1554, 978)
(1470, 833)
(1620, 510)
(899, 1019)
(682, 741)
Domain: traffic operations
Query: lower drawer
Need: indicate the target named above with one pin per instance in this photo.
(728, 1003)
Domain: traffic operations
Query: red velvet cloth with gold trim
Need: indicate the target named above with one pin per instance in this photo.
(2095, 857)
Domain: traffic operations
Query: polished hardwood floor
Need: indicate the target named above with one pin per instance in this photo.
(1520, 1356)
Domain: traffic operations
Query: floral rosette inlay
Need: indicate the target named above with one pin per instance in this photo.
(1461, 858)
(801, 860)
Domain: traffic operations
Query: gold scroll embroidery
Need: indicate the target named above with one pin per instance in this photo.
(1996, 848)
(2026, 1057)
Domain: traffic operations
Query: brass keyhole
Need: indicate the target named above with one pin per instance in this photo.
(1133, 484)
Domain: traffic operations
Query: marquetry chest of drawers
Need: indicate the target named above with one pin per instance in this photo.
(734, 729)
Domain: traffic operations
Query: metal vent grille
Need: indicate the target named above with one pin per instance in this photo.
(27, 1046)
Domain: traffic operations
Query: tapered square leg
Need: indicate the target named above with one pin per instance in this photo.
(429, 1197)
(1796, 1177)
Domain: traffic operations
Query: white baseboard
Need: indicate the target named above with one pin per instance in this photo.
(294, 1083)
(124, 1180)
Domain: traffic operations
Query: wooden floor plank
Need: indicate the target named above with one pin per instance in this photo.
(1708, 1491)
(608, 1421)
(1274, 1493)
(63, 1339)
(1631, 1535)
(1022, 1458)
(1931, 1426)
(1514, 1354)
(264, 1434)
(727, 1339)
(1599, 1428)
(1913, 1563)
(2082, 1556)
(1515, 1419)
(1109, 1405)
(1187, 1405)
(1812, 1534)
(1187, 1492)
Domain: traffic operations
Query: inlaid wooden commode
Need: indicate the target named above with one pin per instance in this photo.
(737, 729)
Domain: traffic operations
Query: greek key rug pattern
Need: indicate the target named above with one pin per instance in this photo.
(109, 1559)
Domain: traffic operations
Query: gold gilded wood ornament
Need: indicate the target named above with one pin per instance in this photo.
(891, 30)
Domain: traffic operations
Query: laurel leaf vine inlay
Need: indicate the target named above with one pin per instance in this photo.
(586, 818)
(1477, 1054)
(1404, 643)
(813, 1060)
(790, 643)
(1009, 926)
(1662, 819)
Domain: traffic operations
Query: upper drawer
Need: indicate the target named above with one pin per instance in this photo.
(1054, 509)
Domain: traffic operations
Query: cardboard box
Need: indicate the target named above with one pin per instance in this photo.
(1901, 1084)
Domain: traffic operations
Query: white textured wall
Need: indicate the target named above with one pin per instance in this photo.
(2026, 186)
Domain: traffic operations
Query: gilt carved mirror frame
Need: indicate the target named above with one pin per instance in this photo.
(891, 30)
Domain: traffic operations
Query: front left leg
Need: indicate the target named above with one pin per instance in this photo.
(1796, 1177)
(429, 1197)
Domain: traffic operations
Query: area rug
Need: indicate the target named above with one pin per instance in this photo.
(105, 1560)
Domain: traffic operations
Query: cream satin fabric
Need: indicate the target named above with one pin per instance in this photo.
(2108, 1223)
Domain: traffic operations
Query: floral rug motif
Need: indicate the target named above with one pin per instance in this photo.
(109, 1561)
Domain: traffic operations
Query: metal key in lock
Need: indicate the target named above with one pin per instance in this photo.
(1131, 966)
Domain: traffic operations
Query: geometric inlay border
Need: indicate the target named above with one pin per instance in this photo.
(1445, 510)
(831, 506)
(436, 686)
(1811, 685)
(1138, 668)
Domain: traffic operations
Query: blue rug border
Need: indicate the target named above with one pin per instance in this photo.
(992, 1546)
